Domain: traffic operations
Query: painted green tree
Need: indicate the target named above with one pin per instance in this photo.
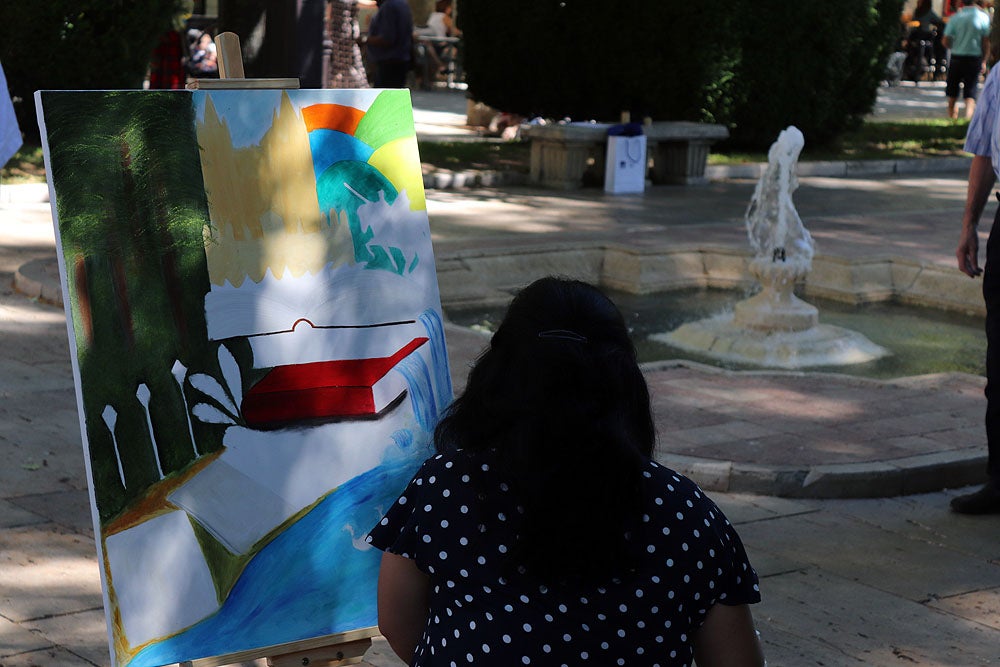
(132, 209)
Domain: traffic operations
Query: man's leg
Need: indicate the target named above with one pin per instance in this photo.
(970, 85)
(951, 88)
(987, 499)
(970, 107)
(991, 295)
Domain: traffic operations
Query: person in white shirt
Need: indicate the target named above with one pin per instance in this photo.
(983, 142)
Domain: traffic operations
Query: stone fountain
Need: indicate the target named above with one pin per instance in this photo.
(775, 328)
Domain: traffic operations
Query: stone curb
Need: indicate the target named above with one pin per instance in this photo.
(39, 279)
(443, 179)
(845, 168)
(874, 479)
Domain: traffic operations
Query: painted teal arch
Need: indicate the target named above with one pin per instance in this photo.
(345, 186)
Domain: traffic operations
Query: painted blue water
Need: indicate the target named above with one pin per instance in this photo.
(310, 581)
(441, 382)
(418, 379)
(317, 577)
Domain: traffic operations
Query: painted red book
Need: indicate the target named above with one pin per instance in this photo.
(326, 389)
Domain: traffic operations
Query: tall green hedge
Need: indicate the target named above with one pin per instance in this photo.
(755, 65)
(592, 59)
(77, 44)
(811, 64)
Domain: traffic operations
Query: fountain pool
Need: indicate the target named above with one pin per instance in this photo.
(922, 340)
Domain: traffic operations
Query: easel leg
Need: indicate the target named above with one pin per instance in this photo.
(349, 653)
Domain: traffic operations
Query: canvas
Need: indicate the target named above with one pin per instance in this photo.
(258, 350)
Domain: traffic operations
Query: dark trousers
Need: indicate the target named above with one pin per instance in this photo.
(391, 73)
(963, 71)
(991, 295)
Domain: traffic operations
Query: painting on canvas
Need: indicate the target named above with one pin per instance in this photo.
(258, 351)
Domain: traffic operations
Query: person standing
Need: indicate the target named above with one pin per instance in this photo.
(390, 43)
(929, 28)
(983, 142)
(967, 36)
(166, 67)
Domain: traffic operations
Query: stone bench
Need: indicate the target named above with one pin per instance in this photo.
(565, 156)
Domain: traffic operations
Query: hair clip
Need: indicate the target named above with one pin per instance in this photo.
(562, 334)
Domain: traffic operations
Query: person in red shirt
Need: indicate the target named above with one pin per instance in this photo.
(166, 69)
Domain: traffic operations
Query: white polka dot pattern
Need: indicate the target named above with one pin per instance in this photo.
(457, 520)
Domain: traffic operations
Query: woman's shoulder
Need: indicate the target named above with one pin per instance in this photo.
(678, 508)
(660, 475)
(458, 462)
(671, 492)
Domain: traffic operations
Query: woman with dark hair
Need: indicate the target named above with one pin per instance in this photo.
(924, 46)
(543, 532)
(926, 19)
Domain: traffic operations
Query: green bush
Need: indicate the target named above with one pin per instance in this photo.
(590, 59)
(813, 65)
(755, 65)
(77, 44)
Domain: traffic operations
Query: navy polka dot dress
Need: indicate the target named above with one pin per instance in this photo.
(484, 613)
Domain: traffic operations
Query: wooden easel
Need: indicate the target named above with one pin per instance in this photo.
(231, 76)
(346, 648)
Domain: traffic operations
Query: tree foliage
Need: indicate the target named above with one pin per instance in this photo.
(78, 45)
(755, 65)
(588, 59)
(808, 64)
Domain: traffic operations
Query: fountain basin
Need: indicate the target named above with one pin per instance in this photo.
(923, 340)
(724, 338)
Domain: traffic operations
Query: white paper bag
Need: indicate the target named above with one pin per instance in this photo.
(625, 166)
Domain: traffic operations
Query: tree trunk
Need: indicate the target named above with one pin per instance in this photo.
(83, 297)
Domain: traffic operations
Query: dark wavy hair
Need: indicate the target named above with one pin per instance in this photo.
(559, 395)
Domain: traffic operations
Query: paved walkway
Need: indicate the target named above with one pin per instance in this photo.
(845, 581)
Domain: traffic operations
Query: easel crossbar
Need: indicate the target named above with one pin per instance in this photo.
(320, 651)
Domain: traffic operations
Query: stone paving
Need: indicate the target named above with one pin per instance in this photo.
(847, 579)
